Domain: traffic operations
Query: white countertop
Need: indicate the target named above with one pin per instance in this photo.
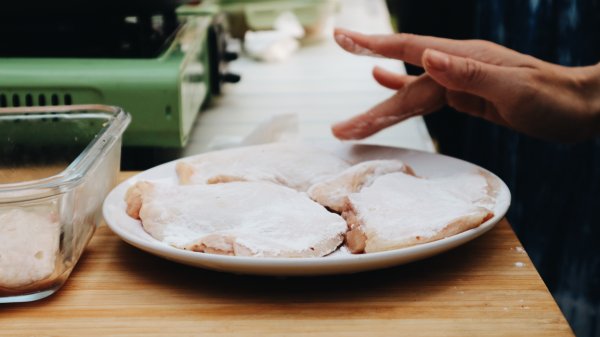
(320, 83)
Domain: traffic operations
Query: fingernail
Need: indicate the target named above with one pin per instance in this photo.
(341, 131)
(350, 46)
(337, 126)
(344, 41)
(437, 60)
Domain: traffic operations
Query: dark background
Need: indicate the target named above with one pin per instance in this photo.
(555, 187)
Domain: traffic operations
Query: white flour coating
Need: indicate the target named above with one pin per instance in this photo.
(28, 247)
(400, 210)
(332, 192)
(349, 45)
(240, 218)
(294, 165)
(471, 187)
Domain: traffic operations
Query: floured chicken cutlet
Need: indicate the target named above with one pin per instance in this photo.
(239, 218)
(400, 210)
(293, 165)
(332, 192)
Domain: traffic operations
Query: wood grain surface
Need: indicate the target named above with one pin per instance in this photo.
(487, 287)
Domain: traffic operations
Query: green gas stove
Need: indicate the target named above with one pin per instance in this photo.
(161, 60)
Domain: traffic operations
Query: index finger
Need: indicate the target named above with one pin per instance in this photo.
(409, 48)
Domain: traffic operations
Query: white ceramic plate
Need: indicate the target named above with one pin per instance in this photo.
(340, 262)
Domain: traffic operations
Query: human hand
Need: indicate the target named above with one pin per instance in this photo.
(479, 78)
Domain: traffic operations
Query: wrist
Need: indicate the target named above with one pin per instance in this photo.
(587, 90)
(592, 93)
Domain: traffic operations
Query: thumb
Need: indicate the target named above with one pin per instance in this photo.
(467, 75)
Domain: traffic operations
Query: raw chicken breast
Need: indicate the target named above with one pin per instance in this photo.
(332, 192)
(238, 218)
(400, 210)
(28, 247)
(293, 165)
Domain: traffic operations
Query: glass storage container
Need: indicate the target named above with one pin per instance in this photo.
(57, 164)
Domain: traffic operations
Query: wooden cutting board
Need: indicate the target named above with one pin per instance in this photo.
(487, 287)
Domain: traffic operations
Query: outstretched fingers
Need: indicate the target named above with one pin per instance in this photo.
(419, 97)
(390, 79)
(405, 47)
(410, 48)
(463, 74)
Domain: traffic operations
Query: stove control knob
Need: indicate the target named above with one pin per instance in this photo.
(229, 56)
(230, 78)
